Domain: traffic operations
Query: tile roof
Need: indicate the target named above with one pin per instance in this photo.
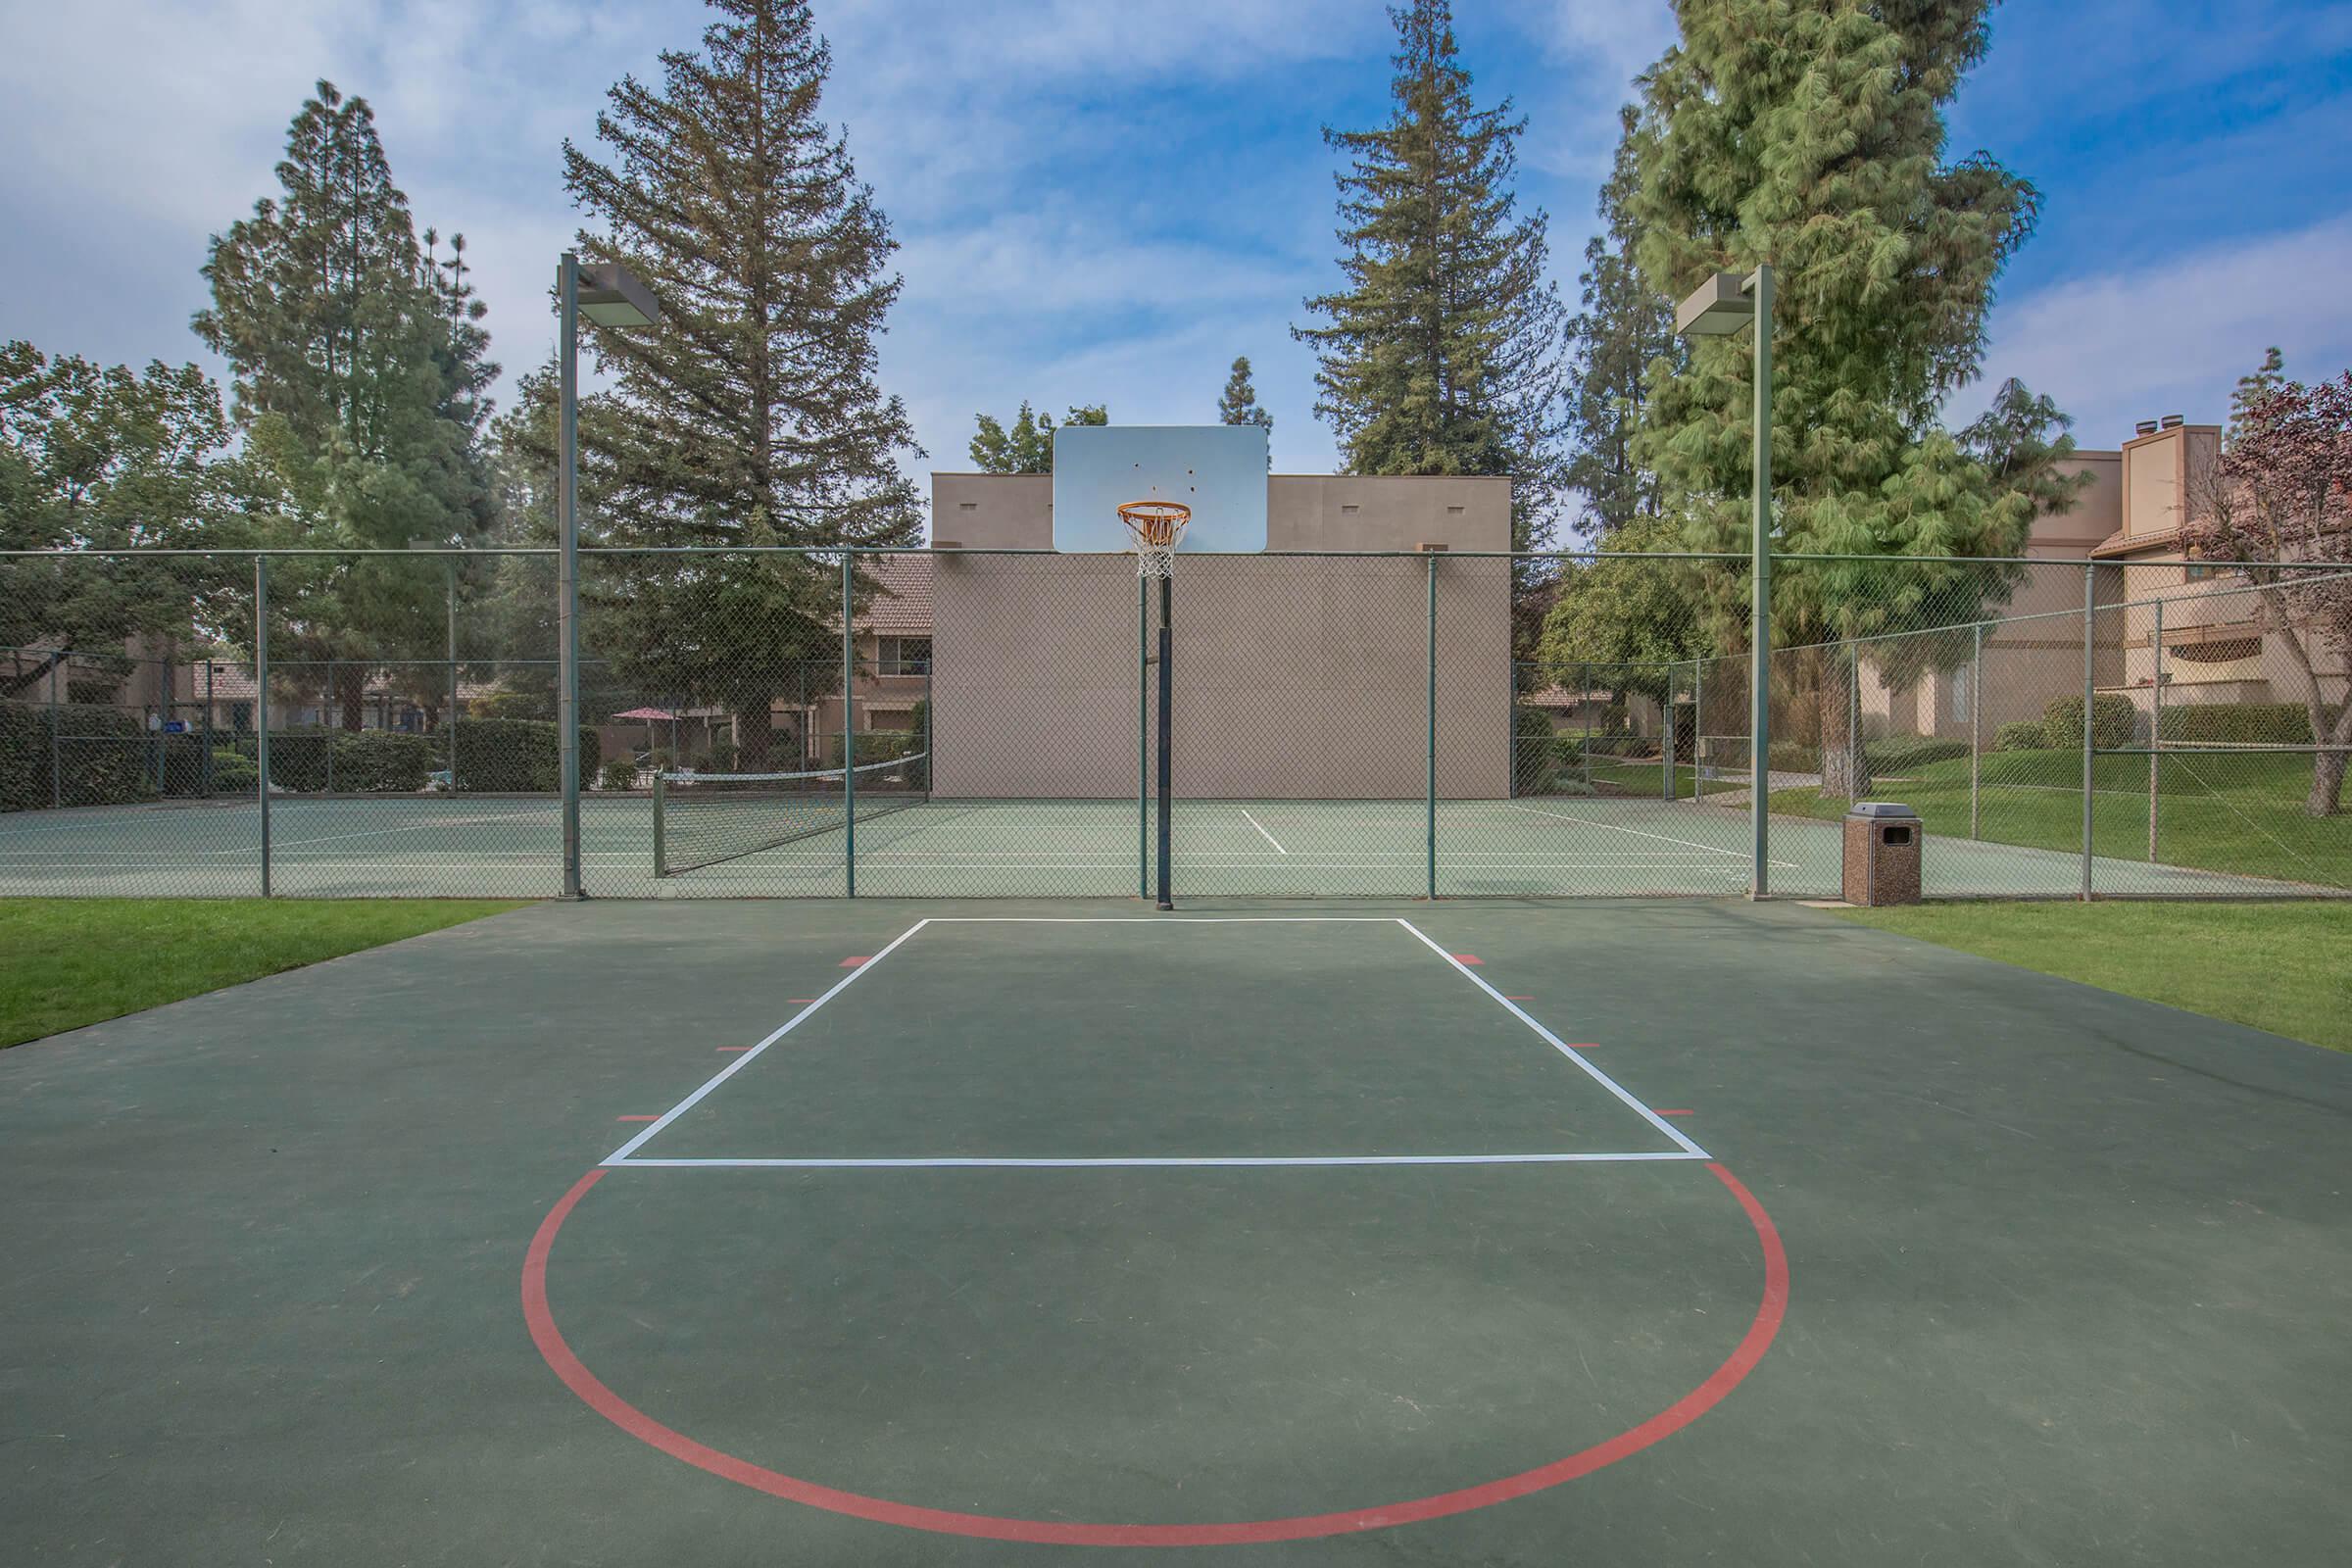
(902, 608)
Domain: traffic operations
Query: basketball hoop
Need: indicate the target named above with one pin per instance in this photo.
(1152, 529)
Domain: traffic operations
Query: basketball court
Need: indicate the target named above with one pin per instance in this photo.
(936, 1231)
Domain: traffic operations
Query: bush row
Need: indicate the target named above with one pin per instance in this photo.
(498, 756)
(2242, 724)
(93, 756)
(1896, 753)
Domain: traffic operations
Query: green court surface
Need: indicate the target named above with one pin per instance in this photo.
(510, 847)
(1001, 1233)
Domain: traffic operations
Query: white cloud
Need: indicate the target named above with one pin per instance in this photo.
(2173, 334)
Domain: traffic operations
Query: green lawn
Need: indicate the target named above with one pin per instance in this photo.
(2241, 813)
(2277, 967)
(73, 962)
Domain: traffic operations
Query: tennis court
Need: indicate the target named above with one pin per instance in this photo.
(931, 847)
(939, 1232)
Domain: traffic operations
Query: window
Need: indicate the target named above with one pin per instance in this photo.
(2194, 572)
(904, 655)
(1960, 695)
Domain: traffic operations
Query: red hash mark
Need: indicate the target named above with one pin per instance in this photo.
(800, 999)
(1518, 999)
(636, 1118)
(734, 1047)
(851, 964)
(1468, 958)
(1678, 1113)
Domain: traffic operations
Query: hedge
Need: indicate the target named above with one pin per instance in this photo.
(2023, 735)
(1911, 750)
(516, 756)
(2242, 724)
(2113, 723)
(504, 755)
(105, 756)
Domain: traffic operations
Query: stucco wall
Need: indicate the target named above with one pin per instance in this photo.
(1300, 677)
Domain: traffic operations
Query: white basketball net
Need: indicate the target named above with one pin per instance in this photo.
(1152, 529)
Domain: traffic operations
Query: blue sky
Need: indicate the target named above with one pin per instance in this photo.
(1106, 202)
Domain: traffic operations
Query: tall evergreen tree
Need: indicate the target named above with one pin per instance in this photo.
(1810, 135)
(1624, 328)
(360, 372)
(1442, 352)
(1027, 447)
(1238, 403)
(755, 416)
(2255, 389)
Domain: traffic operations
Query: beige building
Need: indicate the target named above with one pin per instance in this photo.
(2128, 519)
(1299, 677)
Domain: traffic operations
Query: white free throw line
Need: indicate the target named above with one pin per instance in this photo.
(1155, 1161)
(622, 1154)
(1662, 838)
(1262, 828)
(1557, 1044)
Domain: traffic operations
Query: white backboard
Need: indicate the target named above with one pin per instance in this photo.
(1219, 471)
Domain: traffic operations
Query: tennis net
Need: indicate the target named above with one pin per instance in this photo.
(701, 819)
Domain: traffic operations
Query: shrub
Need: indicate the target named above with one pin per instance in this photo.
(379, 762)
(1901, 751)
(1790, 756)
(2023, 735)
(233, 773)
(618, 774)
(2242, 724)
(2113, 723)
(1536, 750)
(516, 755)
(104, 756)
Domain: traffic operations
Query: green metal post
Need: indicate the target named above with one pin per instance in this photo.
(660, 845)
(1854, 719)
(261, 692)
(1975, 719)
(1431, 777)
(451, 563)
(2155, 726)
(1143, 737)
(205, 764)
(334, 716)
(2090, 594)
(848, 732)
(567, 570)
(1760, 584)
(1699, 728)
(57, 733)
(1666, 739)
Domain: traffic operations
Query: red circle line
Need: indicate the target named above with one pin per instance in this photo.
(1681, 1413)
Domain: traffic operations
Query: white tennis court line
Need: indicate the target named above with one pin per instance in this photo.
(1560, 1046)
(1262, 828)
(1663, 838)
(624, 1155)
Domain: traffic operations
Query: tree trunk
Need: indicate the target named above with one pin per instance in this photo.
(1844, 772)
(2326, 784)
(755, 734)
(351, 695)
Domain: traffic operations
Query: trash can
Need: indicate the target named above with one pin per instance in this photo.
(1882, 854)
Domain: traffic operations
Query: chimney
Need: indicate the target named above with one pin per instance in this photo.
(2174, 421)
(2144, 427)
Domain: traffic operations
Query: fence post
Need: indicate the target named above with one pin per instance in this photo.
(1976, 719)
(2155, 729)
(334, 718)
(1666, 740)
(450, 563)
(2090, 594)
(848, 732)
(1699, 729)
(261, 690)
(1143, 737)
(205, 766)
(1430, 782)
(57, 734)
(1854, 719)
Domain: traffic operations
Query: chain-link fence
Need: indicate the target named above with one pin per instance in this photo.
(972, 723)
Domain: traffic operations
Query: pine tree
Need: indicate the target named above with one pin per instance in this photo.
(360, 378)
(1810, 135)
(1443, 354)
(1238, 403)
(1623, 329)
(2255, 390)
(1028, 446)
(755, 414)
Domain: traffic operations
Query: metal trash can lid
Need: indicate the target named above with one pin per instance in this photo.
(1882, 809)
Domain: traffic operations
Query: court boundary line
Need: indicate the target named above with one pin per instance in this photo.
(1262, 828)
(625, 1155)
(1689, 1148)
(1662, 838)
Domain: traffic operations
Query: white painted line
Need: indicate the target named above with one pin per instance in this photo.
(621, 1153)
(1154, 1161)
(1557, 1044)
(1262, 828)
(1662, 838)
(1159, 919)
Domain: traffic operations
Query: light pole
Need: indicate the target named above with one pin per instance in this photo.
(1724, 305)
(608, 295)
